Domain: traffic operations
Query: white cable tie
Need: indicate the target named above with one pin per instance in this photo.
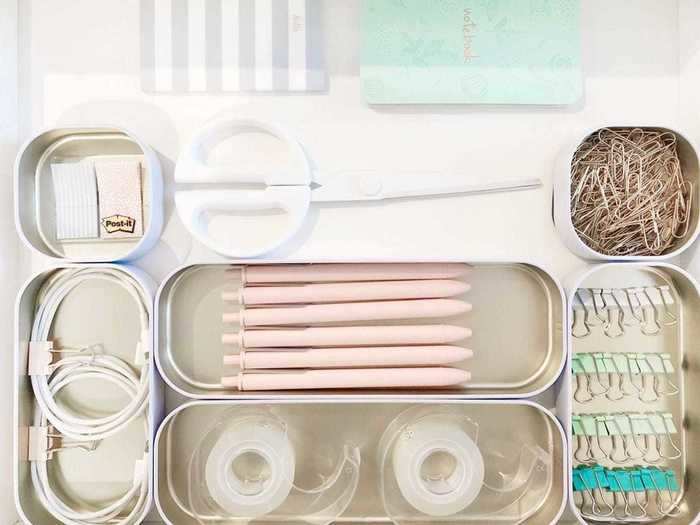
(93, 356)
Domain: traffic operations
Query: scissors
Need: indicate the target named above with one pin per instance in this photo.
(291, 191)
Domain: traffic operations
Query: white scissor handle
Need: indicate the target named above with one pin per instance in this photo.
(192, 166)
(192, 206)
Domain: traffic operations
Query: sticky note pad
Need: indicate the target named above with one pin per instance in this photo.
(75, 191)
(120, 199)
(471, 52)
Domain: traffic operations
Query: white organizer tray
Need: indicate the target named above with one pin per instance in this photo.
(106, 472)
(35, 202)
(688, 157)
(79, 65)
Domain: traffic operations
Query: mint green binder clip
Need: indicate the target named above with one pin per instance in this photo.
(625, 437)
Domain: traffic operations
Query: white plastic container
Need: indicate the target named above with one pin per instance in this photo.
(107, 471)
(35, 202)
(688, 155)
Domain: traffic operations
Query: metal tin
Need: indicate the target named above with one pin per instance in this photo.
(33, 194)
(516, 321)
(108, 470)
(323, 424)
(678, 342)
(688, 156)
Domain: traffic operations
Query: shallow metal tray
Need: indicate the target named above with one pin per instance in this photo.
(677, 340)
(321, 424)
(517, 324)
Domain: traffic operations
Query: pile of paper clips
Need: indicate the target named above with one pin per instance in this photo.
(629, 195)
(638, 493)
(616, 309)
(625, 437)
(625, 455)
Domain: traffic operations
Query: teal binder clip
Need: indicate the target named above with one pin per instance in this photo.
(597, 485)
(590, 483)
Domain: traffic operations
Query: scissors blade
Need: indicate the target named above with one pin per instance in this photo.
(373, 186)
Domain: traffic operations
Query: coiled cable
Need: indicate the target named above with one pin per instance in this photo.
(86, 364)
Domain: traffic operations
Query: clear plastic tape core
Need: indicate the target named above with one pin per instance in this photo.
(432, 466)
(244, 468)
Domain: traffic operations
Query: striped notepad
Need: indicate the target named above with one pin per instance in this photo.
(231, 45)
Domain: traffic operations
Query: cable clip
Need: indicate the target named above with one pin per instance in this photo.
(45, 440)
(141, 469)
(142, 348)
(41, 356)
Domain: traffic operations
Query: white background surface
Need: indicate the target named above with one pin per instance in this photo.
(79, 64)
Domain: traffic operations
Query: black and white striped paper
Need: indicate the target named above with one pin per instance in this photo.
(231, 45)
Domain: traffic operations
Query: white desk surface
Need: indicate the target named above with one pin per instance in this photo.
(79, 64)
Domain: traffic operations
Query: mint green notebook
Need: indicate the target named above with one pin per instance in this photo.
(471, 52)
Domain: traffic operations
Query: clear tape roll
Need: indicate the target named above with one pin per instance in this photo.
(250, 470)
(438, 467)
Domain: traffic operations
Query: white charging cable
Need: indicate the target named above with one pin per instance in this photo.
(85, 364)
(114, 513)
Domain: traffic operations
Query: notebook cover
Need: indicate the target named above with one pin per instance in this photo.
(471, 51)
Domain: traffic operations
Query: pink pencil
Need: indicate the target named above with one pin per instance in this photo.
(431, 377)
(338, 272)
(348, 336)
(401, 356)
(347, 312)
(346, 292)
